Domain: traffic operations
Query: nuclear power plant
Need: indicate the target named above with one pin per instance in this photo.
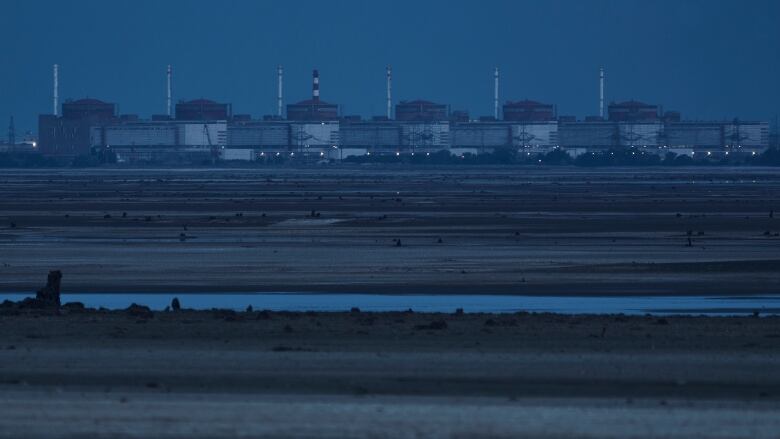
(315, 129)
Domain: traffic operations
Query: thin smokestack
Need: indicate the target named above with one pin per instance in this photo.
(495, 95)
(315, 87)
(601, 92)
(169, 98)
(389, 92)
(280, 73)
(56, 94)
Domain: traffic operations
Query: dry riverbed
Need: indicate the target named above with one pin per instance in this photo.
(394, 230)
(405, 374)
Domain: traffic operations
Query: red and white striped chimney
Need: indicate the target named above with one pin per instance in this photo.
(315, 90)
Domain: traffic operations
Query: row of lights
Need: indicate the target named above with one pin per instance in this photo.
(398, 153)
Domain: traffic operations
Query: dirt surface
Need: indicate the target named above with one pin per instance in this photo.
(225, 374)
(188, 374)
(461, 230)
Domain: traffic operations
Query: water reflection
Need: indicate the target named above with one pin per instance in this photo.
(660, 305)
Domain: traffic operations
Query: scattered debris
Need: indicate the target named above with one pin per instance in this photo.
(74, 307)
(141, 311)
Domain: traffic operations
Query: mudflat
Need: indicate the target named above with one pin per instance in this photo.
(78, 373)
(403, 374)
(506, 230)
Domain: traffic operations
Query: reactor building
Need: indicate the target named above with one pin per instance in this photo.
(202, 129)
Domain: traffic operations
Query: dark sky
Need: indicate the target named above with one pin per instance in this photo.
(706, 58)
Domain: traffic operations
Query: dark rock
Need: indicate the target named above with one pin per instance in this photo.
(74, 307)
(459, 312)
(141, 311)
(354, 310)
(175, 304)
(662, 322)
(490, 322)
(47, 297)
(249, 308)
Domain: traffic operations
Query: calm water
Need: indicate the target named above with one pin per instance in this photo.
(661, 305)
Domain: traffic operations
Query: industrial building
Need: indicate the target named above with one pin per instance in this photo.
(68, 135)
(314, 109)
(420, 111)
(203, 109)
(528, 111)
(202, 129)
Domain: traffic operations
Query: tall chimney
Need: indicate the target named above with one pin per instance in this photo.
(389, 92)
(170, 92)
(56, 89)
(315, 87)
(601, 92)
(279, 72)
(495, 94)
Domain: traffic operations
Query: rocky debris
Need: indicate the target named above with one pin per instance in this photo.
(50, 294)
(47, 297)
(142, 311)
(74, 307)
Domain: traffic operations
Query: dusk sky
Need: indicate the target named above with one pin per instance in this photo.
(708, 59)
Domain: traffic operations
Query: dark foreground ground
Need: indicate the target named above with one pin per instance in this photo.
(461, 230)
(224, 374)
(455, 230)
